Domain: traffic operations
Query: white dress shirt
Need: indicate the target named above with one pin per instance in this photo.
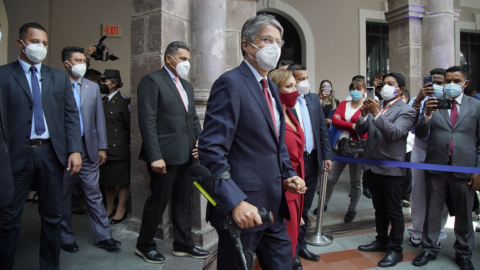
(111, 95)
(259, 77)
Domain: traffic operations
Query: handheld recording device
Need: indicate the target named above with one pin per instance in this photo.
(427, 79)
(371, 92)
(444, 104)
(100, 48)
(327, 89)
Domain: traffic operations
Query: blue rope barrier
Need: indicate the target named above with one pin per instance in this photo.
(411, 165)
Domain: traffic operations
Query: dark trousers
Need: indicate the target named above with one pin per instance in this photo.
(407, 189)
(76, 190)
(311, 181)
(175, 184)
(387, 200)
(272, 247)
(43, 167)
(2, 212)
(437, 187)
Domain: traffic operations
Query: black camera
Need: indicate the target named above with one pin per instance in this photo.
(100, 49)
(444, 104)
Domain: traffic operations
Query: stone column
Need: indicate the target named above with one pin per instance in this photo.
(438, 35)
(208, 29)
(155, 23)
(405, 41)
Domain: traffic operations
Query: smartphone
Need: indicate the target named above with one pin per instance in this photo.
(371, 92)
(427, 79)
(444, 104)
(327, 89)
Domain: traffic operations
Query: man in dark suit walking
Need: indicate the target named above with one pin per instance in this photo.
(6, 181)
(318, 150)
(170, 129)
(453, 139)
(44, 128)
(244, 135)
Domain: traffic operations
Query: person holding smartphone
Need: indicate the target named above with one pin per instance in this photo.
(327, 99)
(433, 87)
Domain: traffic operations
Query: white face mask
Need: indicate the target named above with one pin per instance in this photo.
(388, 92)
(78, 70)
(303, 87)
(267, 57)
(35, 52)
(182, 68)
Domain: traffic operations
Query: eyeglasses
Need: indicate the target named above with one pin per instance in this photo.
(270, 40)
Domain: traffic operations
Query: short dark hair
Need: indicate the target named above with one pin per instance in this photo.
(296, 66)
(361, 77)
(24, 29)
(284, 63)
(398, 77)
(92, 73)
(406, 93)
(437, 71)
(457, 69)
(173, 47)
(68, 51)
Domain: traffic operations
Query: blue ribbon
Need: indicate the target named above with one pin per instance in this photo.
(411, 165)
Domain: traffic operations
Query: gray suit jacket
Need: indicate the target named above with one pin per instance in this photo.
(93, 118)
(387, 137)
(465, 134)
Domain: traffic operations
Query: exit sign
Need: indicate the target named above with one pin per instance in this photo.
(111, 30)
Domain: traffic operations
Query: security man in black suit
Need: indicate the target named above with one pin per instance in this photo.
(170, 129)
(43, 122)
(6, 181)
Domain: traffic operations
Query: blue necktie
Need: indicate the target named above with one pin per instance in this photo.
(77, 99)
(307, 125)
(37, 103)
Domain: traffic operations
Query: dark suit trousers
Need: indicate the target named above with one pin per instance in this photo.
(311, 181)
(437, 187)
(2, 212)
(407, 189)
(272, 247)
(387, 200)
(175, 184)
(43, 167)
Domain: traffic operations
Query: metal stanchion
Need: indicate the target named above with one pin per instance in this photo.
(319, 239)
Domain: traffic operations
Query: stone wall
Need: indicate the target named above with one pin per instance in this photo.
(212, 29)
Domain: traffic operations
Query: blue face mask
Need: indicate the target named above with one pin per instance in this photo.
(453, 90)
(438, 90)
(356, 95)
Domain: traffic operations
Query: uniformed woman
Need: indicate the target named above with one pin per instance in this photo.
(116, 171)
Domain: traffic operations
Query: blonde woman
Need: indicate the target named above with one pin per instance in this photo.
(327, 99)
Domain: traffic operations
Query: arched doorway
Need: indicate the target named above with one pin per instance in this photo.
(292, 50)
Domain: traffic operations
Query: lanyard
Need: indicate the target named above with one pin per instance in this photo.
(385, 109)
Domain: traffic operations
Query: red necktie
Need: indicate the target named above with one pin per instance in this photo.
(453, 119)
(269, 101)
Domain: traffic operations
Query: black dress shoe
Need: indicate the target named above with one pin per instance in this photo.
(392, 258)
(464, 263)
(109, 244)
(423, 258)
(76, 209)
(193, 252)
(297, 264)
(151, 257)
(116, 221)
(373, 247)
(307, 255)
(112, 214)
(71, 247)
(315, 211)
(350, 216)
(367, 192)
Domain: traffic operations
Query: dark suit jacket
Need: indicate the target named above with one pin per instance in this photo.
(59, 106)
(6, 180)
(117, 116)
(320, 129)
(168, 131)
(239, 136)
